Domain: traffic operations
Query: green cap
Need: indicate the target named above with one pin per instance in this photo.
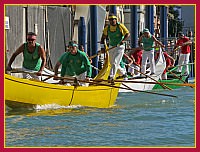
(146, 30)
(72, 43)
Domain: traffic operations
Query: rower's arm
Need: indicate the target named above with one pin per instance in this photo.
(56, 68)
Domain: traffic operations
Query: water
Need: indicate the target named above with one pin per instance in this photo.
(137, 120)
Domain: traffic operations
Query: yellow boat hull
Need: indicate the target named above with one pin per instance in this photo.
(20, 92)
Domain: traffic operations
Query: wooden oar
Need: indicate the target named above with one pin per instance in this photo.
(142, 48)
(146, 82)
(129, 88)
(184, 64)
(95, 67)
(162, 85)
(108, 85)
(28, 72)
(181, 84)
(47, 75)
(93, 56)
(21, 71)
(177, 77)
(100, 80)
(177, 48)
(175, 68)
(47, 78)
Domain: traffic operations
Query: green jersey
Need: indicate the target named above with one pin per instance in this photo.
(148, 43)
(115, 33)
(31, 61)
(75, 64)
(115, 37)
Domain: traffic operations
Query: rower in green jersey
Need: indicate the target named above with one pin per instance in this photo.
(75, 63)
(34, 57)
(117, 34)
(148, 41)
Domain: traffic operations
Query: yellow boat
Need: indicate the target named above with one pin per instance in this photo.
(28, 93)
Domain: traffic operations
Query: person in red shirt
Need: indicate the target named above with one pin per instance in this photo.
(136, 56)
(169, 63)
(184, 44)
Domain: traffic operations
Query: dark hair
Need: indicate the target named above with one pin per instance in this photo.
(72, 42)
(140, 34)
(80, 47)
(181, 33)
(32, 33)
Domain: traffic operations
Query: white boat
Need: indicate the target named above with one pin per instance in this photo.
(160, 67)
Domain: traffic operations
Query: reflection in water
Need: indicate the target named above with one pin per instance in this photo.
(53, 109)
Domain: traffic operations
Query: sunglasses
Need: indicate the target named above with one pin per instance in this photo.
(31, 39)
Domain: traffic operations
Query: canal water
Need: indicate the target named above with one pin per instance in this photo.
(137, 120)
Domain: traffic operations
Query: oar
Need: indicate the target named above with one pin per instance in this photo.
(129, 88)
(21, 71)
(47, 78)
(162, 85)
(142, 48)
(177, 48)
(174, 68)
(97, 81)
(94, 67)
(177, 77)
(146, 82)
(181, 84)
(108, 85)
(184, 64)
(28, 72)
(100, 80)
(93, 56)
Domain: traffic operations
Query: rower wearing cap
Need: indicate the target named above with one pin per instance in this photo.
(34, 57)
(75, 63)
(148, 41)
(184, 44)
(117, 34)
